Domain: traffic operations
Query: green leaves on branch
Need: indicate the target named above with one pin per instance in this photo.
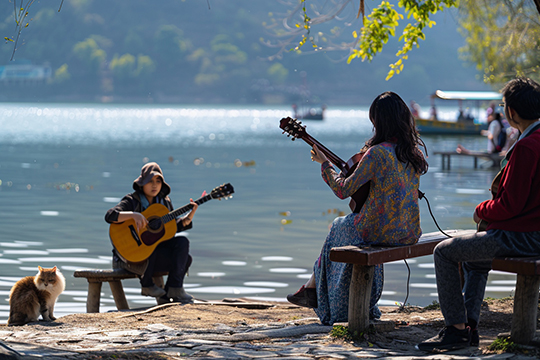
(502, 38)
(306, 25)
(382, 23)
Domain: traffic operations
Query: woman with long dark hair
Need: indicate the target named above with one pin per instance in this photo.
(392, 163)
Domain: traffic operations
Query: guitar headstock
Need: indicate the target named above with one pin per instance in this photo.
(223, 191)
(292, 127)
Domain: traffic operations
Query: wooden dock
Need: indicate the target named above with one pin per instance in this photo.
(495, 158)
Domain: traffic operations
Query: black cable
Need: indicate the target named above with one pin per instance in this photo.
(408, 280)
(422, 195)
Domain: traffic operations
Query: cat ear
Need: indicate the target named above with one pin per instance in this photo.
(40, 268)
(54, 268)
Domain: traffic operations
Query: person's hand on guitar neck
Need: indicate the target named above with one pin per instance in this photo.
(317, 155)
(186, 220)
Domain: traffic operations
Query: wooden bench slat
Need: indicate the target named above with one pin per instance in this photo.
(373, 255)
(97, 277)
(522, 266)
(104, 275)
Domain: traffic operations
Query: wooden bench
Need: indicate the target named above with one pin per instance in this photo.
(494, 158)
(524, 319)
(364, 261)
(97, 277)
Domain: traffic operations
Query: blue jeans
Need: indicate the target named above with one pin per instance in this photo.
(476, 253)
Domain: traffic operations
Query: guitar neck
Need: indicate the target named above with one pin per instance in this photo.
(184, 209)
(342, 165)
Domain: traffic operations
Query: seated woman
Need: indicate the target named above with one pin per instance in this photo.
(392, 164)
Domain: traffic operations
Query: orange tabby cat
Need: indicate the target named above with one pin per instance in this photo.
(35, 295)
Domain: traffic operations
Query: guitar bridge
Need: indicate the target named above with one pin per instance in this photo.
(135, 235)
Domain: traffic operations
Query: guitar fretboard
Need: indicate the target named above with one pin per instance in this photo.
(184, 209)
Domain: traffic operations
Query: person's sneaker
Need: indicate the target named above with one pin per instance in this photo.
(306, 297)
(475, 337)
(163, 300)
(449, 338)
(154, 291)
(179, 295)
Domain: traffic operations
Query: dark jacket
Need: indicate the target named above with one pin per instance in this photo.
(132, 202)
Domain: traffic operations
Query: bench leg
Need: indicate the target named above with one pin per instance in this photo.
(525, 309)
(118, 295)
(359, 298)
(94, 296)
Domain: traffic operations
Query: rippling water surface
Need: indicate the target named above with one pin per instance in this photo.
(63, 166)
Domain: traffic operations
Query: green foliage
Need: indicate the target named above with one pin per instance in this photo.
(502, 38)
(433, 306)
(383, 22)
(504, 344)
(278, 73)
(123, 67)
(89, 54)
(341, 332)
(62, 74)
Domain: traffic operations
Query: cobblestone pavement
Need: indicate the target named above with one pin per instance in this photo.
(158, 341)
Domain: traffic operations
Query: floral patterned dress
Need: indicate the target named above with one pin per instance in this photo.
(390, 216)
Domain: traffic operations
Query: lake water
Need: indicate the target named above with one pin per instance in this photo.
(63, 166)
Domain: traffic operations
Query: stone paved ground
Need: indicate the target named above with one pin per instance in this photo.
(222, 331)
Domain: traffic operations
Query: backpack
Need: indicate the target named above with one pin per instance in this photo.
(501, 139)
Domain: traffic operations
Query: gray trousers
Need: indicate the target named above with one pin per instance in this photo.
(476, 253)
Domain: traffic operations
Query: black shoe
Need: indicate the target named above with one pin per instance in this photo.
(306, 297)
(449, 338)
(475, 338)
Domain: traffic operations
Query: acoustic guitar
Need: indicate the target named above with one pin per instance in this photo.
(136, 246)
(295, 129)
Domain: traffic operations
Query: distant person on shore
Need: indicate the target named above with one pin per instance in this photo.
(513, 225)
(392, 164)
(496, 135)
(433, 113)
(415, 109)
(170, 256)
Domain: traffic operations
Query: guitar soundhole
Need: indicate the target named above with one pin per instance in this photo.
(154, 224)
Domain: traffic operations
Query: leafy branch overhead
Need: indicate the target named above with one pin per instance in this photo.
(20, 15)
(501, 36)
(382, 23)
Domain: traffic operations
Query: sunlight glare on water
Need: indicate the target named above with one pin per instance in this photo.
(63, 165)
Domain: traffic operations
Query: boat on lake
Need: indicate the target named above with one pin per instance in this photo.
(465, 123)
(311, 113)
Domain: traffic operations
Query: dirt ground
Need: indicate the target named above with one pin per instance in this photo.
(411, 324)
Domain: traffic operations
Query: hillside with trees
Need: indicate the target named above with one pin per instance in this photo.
(208, 53)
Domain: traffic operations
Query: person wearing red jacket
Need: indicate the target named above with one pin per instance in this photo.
(513, 218)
